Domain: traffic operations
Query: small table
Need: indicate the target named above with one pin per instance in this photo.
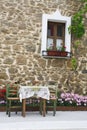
(36, 91)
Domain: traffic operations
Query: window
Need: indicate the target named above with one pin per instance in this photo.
(55, 33)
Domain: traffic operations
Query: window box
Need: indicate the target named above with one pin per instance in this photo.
(50, 53)
(57, 53)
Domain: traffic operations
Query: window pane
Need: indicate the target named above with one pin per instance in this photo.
(49, 43)
(50, 31)
(59, 44)
(59, 31)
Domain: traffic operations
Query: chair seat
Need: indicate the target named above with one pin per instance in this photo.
(53, 98)
(13, 98)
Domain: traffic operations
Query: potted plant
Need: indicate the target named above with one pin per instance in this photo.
(60, 51)
(63, 51)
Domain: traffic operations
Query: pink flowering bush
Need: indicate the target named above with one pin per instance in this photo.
(71, 99)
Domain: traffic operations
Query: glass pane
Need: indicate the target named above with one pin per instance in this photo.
(59, 30)
(59, 43)
(49, 44)
(50, 29)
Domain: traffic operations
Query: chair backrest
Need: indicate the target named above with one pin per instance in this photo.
(53, 90)
(11, 90)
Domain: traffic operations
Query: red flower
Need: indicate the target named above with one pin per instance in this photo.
(2, 93)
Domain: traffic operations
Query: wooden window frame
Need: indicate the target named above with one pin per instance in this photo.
(55, 36)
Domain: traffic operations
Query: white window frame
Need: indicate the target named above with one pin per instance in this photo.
(56, 17)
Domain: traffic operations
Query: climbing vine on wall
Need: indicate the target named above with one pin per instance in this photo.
(77, 27)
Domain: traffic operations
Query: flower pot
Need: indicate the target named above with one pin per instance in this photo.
(59, 108)
(63, 53)
(57, 53)
(71, 108)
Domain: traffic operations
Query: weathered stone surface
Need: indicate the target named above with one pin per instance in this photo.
(13, 70)
(20, 45)
(8, 60)
(22, 26)
(5, 30)
(58, 63)
(17, 48)
(69, 64)
(30, 48)
(21, 60)
(3, 76)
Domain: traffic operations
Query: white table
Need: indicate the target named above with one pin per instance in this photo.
(33, 91)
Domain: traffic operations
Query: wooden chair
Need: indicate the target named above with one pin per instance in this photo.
(52, 103)
(12, 98)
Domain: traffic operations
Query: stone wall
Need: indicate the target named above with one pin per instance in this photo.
(20, 45)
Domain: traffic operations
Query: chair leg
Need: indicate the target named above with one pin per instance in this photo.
(47, 106)
(6, 112)
(54, 111)
(9, 108)
(16, 112)
(46, 110)
(16, 109)
(41, 104)
(9, 114)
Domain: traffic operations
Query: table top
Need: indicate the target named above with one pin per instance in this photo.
(36, 91)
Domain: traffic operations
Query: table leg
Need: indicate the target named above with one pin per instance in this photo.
(44, 107)
(23, 107)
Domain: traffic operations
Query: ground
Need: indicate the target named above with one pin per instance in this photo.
(64, 120)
